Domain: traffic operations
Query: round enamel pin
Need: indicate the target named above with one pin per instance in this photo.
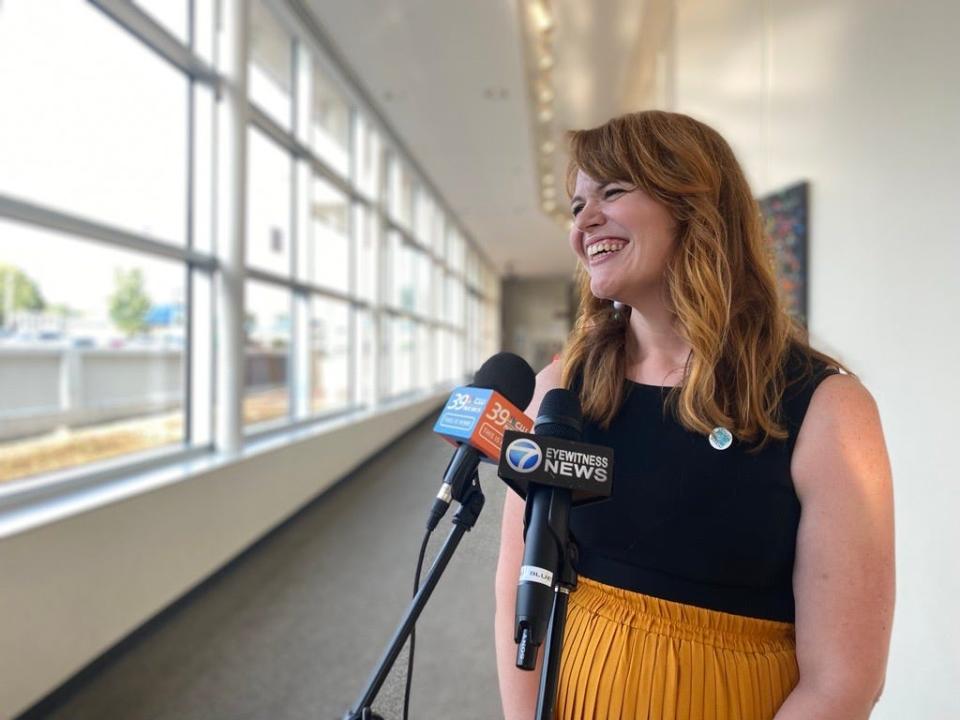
(720, 438)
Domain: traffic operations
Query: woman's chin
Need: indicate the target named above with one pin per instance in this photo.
(603, 288)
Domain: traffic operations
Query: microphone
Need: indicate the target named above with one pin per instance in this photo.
(551, 469)
(475, 419)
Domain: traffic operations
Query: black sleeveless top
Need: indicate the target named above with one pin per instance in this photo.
(690, 523)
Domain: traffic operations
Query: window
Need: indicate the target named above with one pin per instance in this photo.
(366, 351)
(401, 354)
(456, 249)
(271, 65)
(423, 279)
(453, 301)
(329, 122)
(354, 276)
(329, 241)
(401, 273)
(369, 151)
(401, 194)
(329, 351)
(94, 123)
(90, 368)
(426, 358)
(367, 234)
(423, 217)
(445, 355)
(267, 331)
(268, 205)
(437, 289)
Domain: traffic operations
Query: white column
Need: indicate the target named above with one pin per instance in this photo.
(304, 251)
(231, 224)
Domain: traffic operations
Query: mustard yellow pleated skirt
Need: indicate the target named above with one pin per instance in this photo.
(628, 656)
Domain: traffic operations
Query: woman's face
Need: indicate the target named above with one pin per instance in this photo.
(623, 237)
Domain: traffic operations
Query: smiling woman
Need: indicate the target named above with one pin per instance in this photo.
(746, 549)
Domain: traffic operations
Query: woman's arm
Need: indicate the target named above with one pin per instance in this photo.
(518, 688)
(844, 573)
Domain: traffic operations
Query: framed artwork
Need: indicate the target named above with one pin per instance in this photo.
(786, 222)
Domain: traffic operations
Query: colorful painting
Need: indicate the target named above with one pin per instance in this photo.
(786, 223)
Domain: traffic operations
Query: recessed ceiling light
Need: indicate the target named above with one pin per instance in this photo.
(549, 206)
(549, 193)
(547, 147)
(547, 179)
(546, 115)
(540, 16)
(546, 62)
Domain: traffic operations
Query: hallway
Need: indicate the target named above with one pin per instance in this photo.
(293, 628)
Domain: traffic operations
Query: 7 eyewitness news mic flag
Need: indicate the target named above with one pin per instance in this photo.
(585, 469)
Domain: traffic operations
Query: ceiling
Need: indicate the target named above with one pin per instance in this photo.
(450, 77)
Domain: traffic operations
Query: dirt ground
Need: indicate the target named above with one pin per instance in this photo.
(70, 447)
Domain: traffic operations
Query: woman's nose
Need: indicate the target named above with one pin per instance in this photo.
(588, 217)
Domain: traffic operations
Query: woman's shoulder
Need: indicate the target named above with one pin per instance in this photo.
(841, 427)
(548, 378)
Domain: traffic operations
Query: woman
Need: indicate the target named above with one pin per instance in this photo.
(743, 568)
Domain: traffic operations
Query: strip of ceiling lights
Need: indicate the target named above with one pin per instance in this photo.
(537, 21)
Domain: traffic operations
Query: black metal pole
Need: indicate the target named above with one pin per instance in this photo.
(553, 645)
(463, 521)
(553, 648)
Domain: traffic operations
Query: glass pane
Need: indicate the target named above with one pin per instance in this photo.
(365, 343)
(91, 363)
(473, 332)
(453, 301)
(445, 355)
(268, 205)
(424, 276)
(401, 356)
(329, 238)
(436, 292)
(491, 329)
(271, 65)
(172, 14)
(205, 28)
(329, 122)
(456, 248)
(329, 354)
(93, 122)
(203, 159)
(402, 273)
(437, 229)
(366, 231)
(423, 217)
(401, 194)
(425, 357)
(267, 332)
(369, 153)
(457, 359)
(473, 269)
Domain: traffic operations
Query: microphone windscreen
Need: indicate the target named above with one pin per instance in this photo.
(560, 415)
(509, 375)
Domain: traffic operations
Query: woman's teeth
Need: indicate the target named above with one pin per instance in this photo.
(604, 247)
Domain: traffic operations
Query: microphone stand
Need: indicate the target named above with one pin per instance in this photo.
(553, 645)
(465, 518)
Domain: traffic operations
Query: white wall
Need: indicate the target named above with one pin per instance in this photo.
(71, 589)
(43, 388)
(862, 98)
